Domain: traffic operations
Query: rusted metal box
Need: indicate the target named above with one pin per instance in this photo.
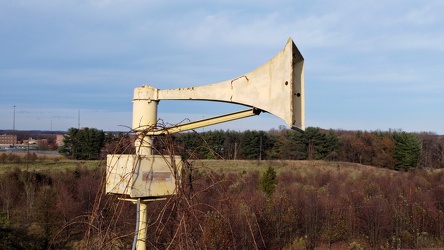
(142, 176)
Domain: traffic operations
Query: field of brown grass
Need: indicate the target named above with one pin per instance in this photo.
(58, 162)
(45, 162)
(304, 166)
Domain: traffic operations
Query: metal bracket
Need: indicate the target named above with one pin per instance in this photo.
(206, 122)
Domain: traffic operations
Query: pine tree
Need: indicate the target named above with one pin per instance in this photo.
(268, 181)
(83, 144)
(407, 150)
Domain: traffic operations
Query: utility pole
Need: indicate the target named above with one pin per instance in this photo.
(260, 148)
(235, 150)
(27, 154)
(13, 129)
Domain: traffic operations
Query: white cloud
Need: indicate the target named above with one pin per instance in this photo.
(92, 53)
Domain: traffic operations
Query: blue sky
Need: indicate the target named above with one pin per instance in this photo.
(369, 65)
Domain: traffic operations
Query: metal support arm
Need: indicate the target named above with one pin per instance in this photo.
(206, 122)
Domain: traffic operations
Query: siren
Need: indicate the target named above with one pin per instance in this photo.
(276, 87)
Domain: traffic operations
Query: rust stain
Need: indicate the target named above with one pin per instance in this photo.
(238, 79)
(156, 176)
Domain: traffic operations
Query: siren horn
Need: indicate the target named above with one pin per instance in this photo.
(276, 87)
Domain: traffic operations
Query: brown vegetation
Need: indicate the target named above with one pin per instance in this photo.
(315, 204)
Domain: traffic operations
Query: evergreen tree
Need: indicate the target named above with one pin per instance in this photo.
(268, 181)
(319, 144)
(255, 145)
(296, 148)
(407, 150)
(83, 144)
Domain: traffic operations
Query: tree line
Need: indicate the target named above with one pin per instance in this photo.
(393, 149)
(94, 144)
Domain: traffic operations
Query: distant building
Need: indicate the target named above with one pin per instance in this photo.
(40, 143)
(59, 140)
(8, 139)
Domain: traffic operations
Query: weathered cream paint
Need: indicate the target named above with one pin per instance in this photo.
(142, 176)
(205, 122)
(144, 118)
(276, 87)
(142, 233)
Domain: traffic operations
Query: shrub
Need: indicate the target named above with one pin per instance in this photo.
(268, 181)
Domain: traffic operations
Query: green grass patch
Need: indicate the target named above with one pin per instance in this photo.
(46, 163)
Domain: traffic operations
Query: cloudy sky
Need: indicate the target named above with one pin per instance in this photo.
(369, 65)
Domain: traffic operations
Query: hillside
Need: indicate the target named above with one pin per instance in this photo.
(221, 204)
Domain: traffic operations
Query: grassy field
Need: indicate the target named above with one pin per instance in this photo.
(239, 166)
(47, 163)
(60, 163)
